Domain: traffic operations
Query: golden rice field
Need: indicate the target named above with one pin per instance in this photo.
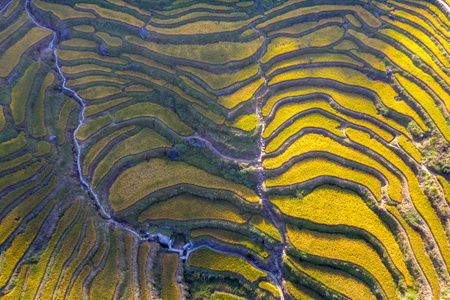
(290, 149)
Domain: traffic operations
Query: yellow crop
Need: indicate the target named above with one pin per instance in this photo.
(244, 122)
(197, 14)
(92, 127)
(202, 27)
(64, 114)
(149, 63)
(39, 129)
(21, 243)
(14, 294)
(16, 177)
(265, 226)
(317, 167)
(84, 28)
(196, 209)
(98, 108)
(354, 102)
(446, 187)
(98, 92)
(128, 241)
(70, 55)
(112, 14)
(144, 76)
(420, 200)
(88, 242)
(182, 10)
(230, 237)
(104, 283)
(422, 36)
(299, 292)
(144, 250)
(339, 247)
(83, 68)
(315, 120)
(290, 109)
(9, 164)
(193, 85)
(217, 82)
(180, 93)
(96, 78)
(70, 241)
(270, 287)
(79, 43)
(354, 21)
(99, 254)
(37, 271)
(366, 16)
(110, 40)
(138, 88)
(128, 5)
(8, 31)
(11, 56)
(218, 119)
(319, 38)
(352, 77)
(63, 12)
(99, 146)
(243, 94)
(144, 140)
(315, 58)
(21, 92)
(217, 53)
(209, 259)
(43, 148)
(335, 279)
(346, 45)
(2, 118)
(78, 284)
(408, 146)
(404, 62)
(152, 110)
(420, 252)
(332, 205)
(225, 296)
(145, 178)
(427, 103)
(305, 26)
(372, 60)
(11, 7)
(13, 145)
(169, 287)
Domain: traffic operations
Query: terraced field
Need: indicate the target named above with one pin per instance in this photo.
(224, 149)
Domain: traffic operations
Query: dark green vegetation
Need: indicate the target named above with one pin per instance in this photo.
(224, 149)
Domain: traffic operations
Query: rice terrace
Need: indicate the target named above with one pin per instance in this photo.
(224, 149)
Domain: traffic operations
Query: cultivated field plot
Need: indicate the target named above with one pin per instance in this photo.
(224, 149)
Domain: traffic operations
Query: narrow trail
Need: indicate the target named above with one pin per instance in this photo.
(188, 247)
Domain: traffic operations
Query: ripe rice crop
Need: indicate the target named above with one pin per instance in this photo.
(299, 292)
(43, 148)
(152, 110)
(21, 175)
(354, 21)
(339, 247)
(98, 92)
(63, 12)
(39, 129)
(196, 209)
(218, 119)
(319, 38)
(71, 55)
(225, 296)
(92, 127)
(21, 92)
(149, 63)
(270, 287)
(145, 178)
(332, 205)
(12, 55)
(112, 41)
(144, 250)
(8, 31)
(144, 140)
(371, 59)
(138, 88)
(305, 26)
(243, 94)
(112, 14)
(2, 118)
(98, 108)
(229, 237)
(265, 226)
(221, 81)
(245, 122)
(209, 259)
(170, 266)
(100, 145)
(217, 53)
(79, 43)
(13, 145)
(346, 45)
(84, 68)
(9, 164)
(64, 114)
(410, 148)
(78, 284)
(316, 120)
(335, 279)
(84, 28)
(96, 78)
(196, 15)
